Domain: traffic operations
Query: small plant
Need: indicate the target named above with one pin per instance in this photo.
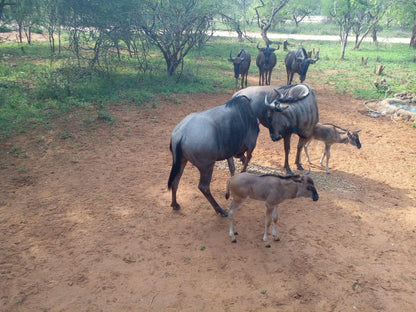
(263, 292)
(16, 151)
(414, 125)
(202, 247)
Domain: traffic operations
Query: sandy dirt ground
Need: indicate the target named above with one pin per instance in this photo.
(86, 222)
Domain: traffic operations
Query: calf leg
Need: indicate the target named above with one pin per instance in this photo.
(274, 232)
(267, 222)
(328, 154)
(231, 211)
(204, 181)
(306, 151)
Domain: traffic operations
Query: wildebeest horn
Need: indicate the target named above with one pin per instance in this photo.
(277, 107)
(231, 57)
(278, 93)
(258, 46)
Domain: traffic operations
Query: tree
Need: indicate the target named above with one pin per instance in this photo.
(3, 5)
(233, 14)
(343, 13)
(177, 26)
(299, 9)
(404, 14)
(266, 13)
(367, 17)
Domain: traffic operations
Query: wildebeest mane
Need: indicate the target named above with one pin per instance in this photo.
(236, 101)
(284, 177)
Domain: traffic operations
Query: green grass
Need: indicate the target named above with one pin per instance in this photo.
(36, 86)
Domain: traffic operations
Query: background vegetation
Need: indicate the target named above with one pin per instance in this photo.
(130, 51)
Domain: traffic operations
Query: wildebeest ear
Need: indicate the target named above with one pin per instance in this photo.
(356, 131)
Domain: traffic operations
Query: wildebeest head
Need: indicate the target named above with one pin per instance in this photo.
(353, 138)
(241, 60)
(304, 59)
(267, 51)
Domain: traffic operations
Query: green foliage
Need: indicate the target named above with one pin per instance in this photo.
(36, 86)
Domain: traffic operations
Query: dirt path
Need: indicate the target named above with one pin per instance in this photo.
(86, 223)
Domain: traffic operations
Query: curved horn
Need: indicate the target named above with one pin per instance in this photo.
(278, 93)
(258, 46)
(268, 105)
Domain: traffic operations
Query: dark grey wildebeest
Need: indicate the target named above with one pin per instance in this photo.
(298, 61)
(300, 117)
(216, 134)
(241, 66)
(265, 61)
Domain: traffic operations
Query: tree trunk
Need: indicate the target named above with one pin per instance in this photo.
(413, 39)
(374, 34)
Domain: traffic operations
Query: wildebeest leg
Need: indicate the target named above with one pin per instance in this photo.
(268, 77)
(231, 166)
(274, 232)
(301, 144)
(236, 202)
(247, 160)
(267, 222)
(243, 80)
(204, 181)
(286, 143)
(175, 184)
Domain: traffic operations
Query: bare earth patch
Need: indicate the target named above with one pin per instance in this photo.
(86, 223)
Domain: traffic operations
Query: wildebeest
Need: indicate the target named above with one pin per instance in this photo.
(298, 61)
(203, 138)
(300, 117)
(272, 189)
(265, 61)
(331, 134)
(241, 66)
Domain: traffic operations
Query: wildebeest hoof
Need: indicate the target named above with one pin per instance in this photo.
(267, 245)
(277, 238)
(300, 167)
(223, 213)
(234, 241)
(175, 206)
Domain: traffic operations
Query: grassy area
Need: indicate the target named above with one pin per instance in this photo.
(35, 86)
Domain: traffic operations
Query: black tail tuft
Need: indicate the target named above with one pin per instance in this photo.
(176, 164)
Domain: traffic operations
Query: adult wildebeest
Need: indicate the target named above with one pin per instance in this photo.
(203, 138)
(300, 117)
(241, 66)
(298, 61)
(265, 61)
(272, 189)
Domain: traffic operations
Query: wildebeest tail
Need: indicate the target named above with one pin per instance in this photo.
(227, 194)
(176, 163)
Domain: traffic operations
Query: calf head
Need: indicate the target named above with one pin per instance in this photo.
(353, 138)
(306, 187)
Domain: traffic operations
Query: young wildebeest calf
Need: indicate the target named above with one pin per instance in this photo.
(272, 189)
(331, 134)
